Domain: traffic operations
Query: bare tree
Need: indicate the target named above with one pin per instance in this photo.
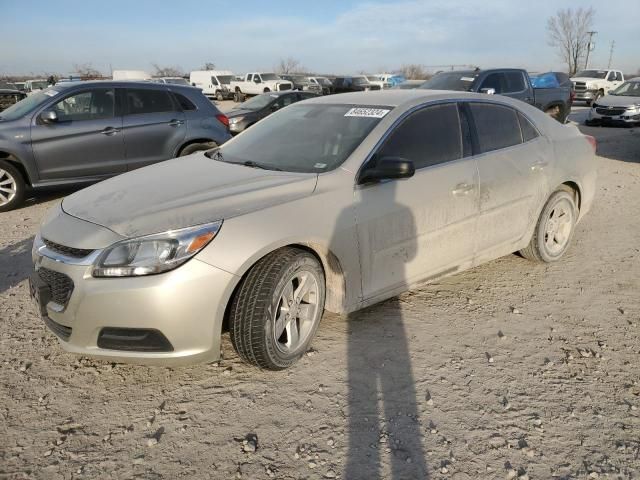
(414, 71)
(208, 66)
(568, 34)
(86, 70)
(161, 71)
(289, 65)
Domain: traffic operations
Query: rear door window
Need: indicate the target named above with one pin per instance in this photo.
(496, 126)
(184, 102)
(427, 137)
(515, 82)
(141, 101)
(529, 132)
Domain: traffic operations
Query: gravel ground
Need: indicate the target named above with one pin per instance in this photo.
(510, 370)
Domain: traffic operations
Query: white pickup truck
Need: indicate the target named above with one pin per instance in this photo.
(257, 83)
(592, 84)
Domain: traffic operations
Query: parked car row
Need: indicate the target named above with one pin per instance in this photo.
(620, 106)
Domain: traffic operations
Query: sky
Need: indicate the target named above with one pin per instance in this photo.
(323, 35)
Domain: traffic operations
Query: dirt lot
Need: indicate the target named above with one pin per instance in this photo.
(510, 370)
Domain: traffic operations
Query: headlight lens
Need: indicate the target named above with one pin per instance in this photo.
(154, 253)
(235, 120)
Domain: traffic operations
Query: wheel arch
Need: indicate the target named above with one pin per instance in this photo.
(192, 141)
(15, 161)
(575, 190)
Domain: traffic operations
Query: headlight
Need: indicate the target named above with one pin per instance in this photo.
(234, 120)
(154, 253)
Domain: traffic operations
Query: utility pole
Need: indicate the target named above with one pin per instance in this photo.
(613, 44)
(590, 46)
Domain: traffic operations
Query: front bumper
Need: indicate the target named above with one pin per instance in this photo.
(185, 305)
(238, 127)
(628, 117)
(585, 95)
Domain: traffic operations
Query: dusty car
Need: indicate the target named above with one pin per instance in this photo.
(332, 203)
(84, 132)
(261, 106)
(621, 106)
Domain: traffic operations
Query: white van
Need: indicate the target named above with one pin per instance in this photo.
(213, 83)
(130, 75)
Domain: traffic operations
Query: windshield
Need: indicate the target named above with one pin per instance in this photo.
(225, 79)
(39, 85)
(323, 81)
(177, 81)
(592, 74)
(258, 102)
(27, 105)
(372, 78)
(628, 89)
(8, 85)
(360, 80)
(459, 81)
(308, 138)
(269, 76)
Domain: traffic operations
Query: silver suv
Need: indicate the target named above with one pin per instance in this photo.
(84, 132)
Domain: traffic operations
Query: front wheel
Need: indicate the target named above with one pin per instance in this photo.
(197, 147)
(554, 230)
(277, 309)
(12, 187)
(219, 96)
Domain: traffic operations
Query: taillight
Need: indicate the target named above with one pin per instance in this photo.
(223, 119)
(592, 141)
(572, 96)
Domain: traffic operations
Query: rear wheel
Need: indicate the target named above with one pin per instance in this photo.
(277, 309)
(219, 96)
(12, 187)
(554, 112)
(196, 147)
(554, 230)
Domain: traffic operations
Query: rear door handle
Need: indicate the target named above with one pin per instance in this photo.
(175, 123)
(539, 166)
(462, 189)
(109, 131)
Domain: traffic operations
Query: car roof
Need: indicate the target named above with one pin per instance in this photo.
(120, 83)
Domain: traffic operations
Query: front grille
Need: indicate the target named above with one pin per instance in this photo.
(614, 112)
(579, 86)
(284, 86)
(61, 286)
(64, 250)
(60, 330)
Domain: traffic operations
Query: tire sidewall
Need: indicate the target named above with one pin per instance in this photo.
(306, 262)
(555, 198)
(21, 187)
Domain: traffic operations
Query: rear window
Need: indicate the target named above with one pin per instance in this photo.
(497, 126)
(148, 101)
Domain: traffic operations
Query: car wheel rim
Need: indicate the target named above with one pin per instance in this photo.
(558, 227)
(296, 311)
(8, 187)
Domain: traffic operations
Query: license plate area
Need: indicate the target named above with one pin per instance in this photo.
(40, 292)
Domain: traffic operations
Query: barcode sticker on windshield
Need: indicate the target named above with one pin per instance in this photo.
(367, 112)
(51, 93)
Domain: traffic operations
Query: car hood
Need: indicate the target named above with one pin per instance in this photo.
(618, 101)
(587, 79)
(184, 192)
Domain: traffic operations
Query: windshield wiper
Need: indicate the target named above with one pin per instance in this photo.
(262, 166)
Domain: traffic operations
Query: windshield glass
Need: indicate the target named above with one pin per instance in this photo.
(27, 105)
(311, 138)
(8, 85)
(39, 85)
(269, 76)
(627, 89)
(592, 74)
(225, 79)
(459, 81)
(177, 81)
(323, 81)
(258, 102)
(360, 80)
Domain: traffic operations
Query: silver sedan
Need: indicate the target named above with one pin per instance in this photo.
(333, 203)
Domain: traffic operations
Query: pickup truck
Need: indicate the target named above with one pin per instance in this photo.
(510, 82)
(257, 83)
(592, 84)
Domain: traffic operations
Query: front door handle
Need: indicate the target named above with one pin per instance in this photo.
(462, 189)
(539, 166)
(109, 131)
(175, 123)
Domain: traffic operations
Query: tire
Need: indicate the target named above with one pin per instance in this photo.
(259, 308)
(555, 112)
(552, 237)
(599, 95)
(12, 187)
(219, 96)
(196, 147)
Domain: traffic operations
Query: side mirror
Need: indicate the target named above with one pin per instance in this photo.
(488, 91)
(388, 168)
(49, 116)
